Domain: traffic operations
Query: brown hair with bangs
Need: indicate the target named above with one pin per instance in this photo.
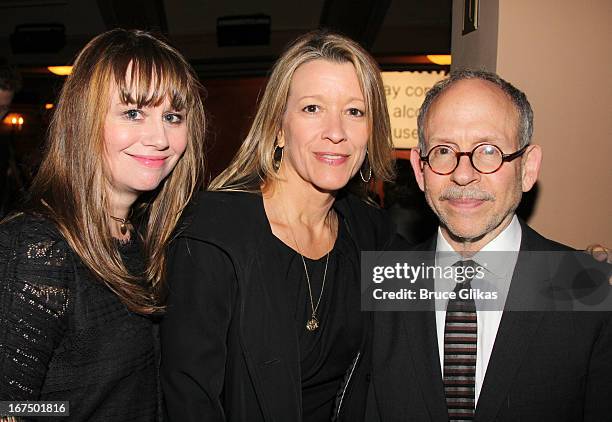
(253, 164)
(70, 186)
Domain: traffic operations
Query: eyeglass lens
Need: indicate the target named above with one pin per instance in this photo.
(485, 158)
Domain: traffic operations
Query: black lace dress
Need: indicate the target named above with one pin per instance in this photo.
(65, 336)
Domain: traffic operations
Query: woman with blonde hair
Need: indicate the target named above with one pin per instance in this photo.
(263, 316)
(81, 266)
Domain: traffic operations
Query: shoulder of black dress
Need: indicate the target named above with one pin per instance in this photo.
(31, 229)
(223, 216)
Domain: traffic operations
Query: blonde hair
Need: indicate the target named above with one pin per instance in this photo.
(253, 163)
(70, 187)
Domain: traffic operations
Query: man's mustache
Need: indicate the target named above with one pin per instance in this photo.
(454, 192)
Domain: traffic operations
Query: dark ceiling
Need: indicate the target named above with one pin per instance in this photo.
(393, 30)
(385, 27)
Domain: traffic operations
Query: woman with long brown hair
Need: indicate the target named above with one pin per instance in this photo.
(81, 266)
(263, 316)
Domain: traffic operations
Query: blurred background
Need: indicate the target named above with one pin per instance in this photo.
(554, 50)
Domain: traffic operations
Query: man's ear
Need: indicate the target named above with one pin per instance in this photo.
(532, 159)
(417, 167)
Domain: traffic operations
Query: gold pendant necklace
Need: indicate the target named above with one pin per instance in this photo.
(313, 322)
(124, 222)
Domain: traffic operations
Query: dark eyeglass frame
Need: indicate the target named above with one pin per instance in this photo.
(458, 155)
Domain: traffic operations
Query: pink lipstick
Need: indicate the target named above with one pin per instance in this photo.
(149, 161)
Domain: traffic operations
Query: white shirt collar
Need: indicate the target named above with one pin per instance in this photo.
(509, 240)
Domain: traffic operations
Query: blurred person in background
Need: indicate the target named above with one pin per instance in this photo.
(10, 83)
(406, 206)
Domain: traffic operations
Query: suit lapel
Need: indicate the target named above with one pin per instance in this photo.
(405, 353)
(514, 336)
(423, 340)
(421, 328)
(515, 332)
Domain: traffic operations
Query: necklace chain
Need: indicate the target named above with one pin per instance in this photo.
(313, 323)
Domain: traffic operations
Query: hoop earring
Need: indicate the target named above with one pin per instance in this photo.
(369, 170)
(277, 158)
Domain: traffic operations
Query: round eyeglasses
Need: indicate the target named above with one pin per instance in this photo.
(485, 158)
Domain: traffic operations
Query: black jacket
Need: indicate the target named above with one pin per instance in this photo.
(545, 365)
(248, 370)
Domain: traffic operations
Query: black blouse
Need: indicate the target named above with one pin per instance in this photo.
(65, 336)
(326, 352)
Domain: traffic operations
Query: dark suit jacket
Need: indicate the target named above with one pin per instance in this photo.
(545, 365)
(229, 347)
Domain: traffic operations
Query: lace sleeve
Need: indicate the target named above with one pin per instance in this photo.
(36, 273)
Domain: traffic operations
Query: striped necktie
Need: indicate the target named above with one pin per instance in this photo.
(460, 339)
